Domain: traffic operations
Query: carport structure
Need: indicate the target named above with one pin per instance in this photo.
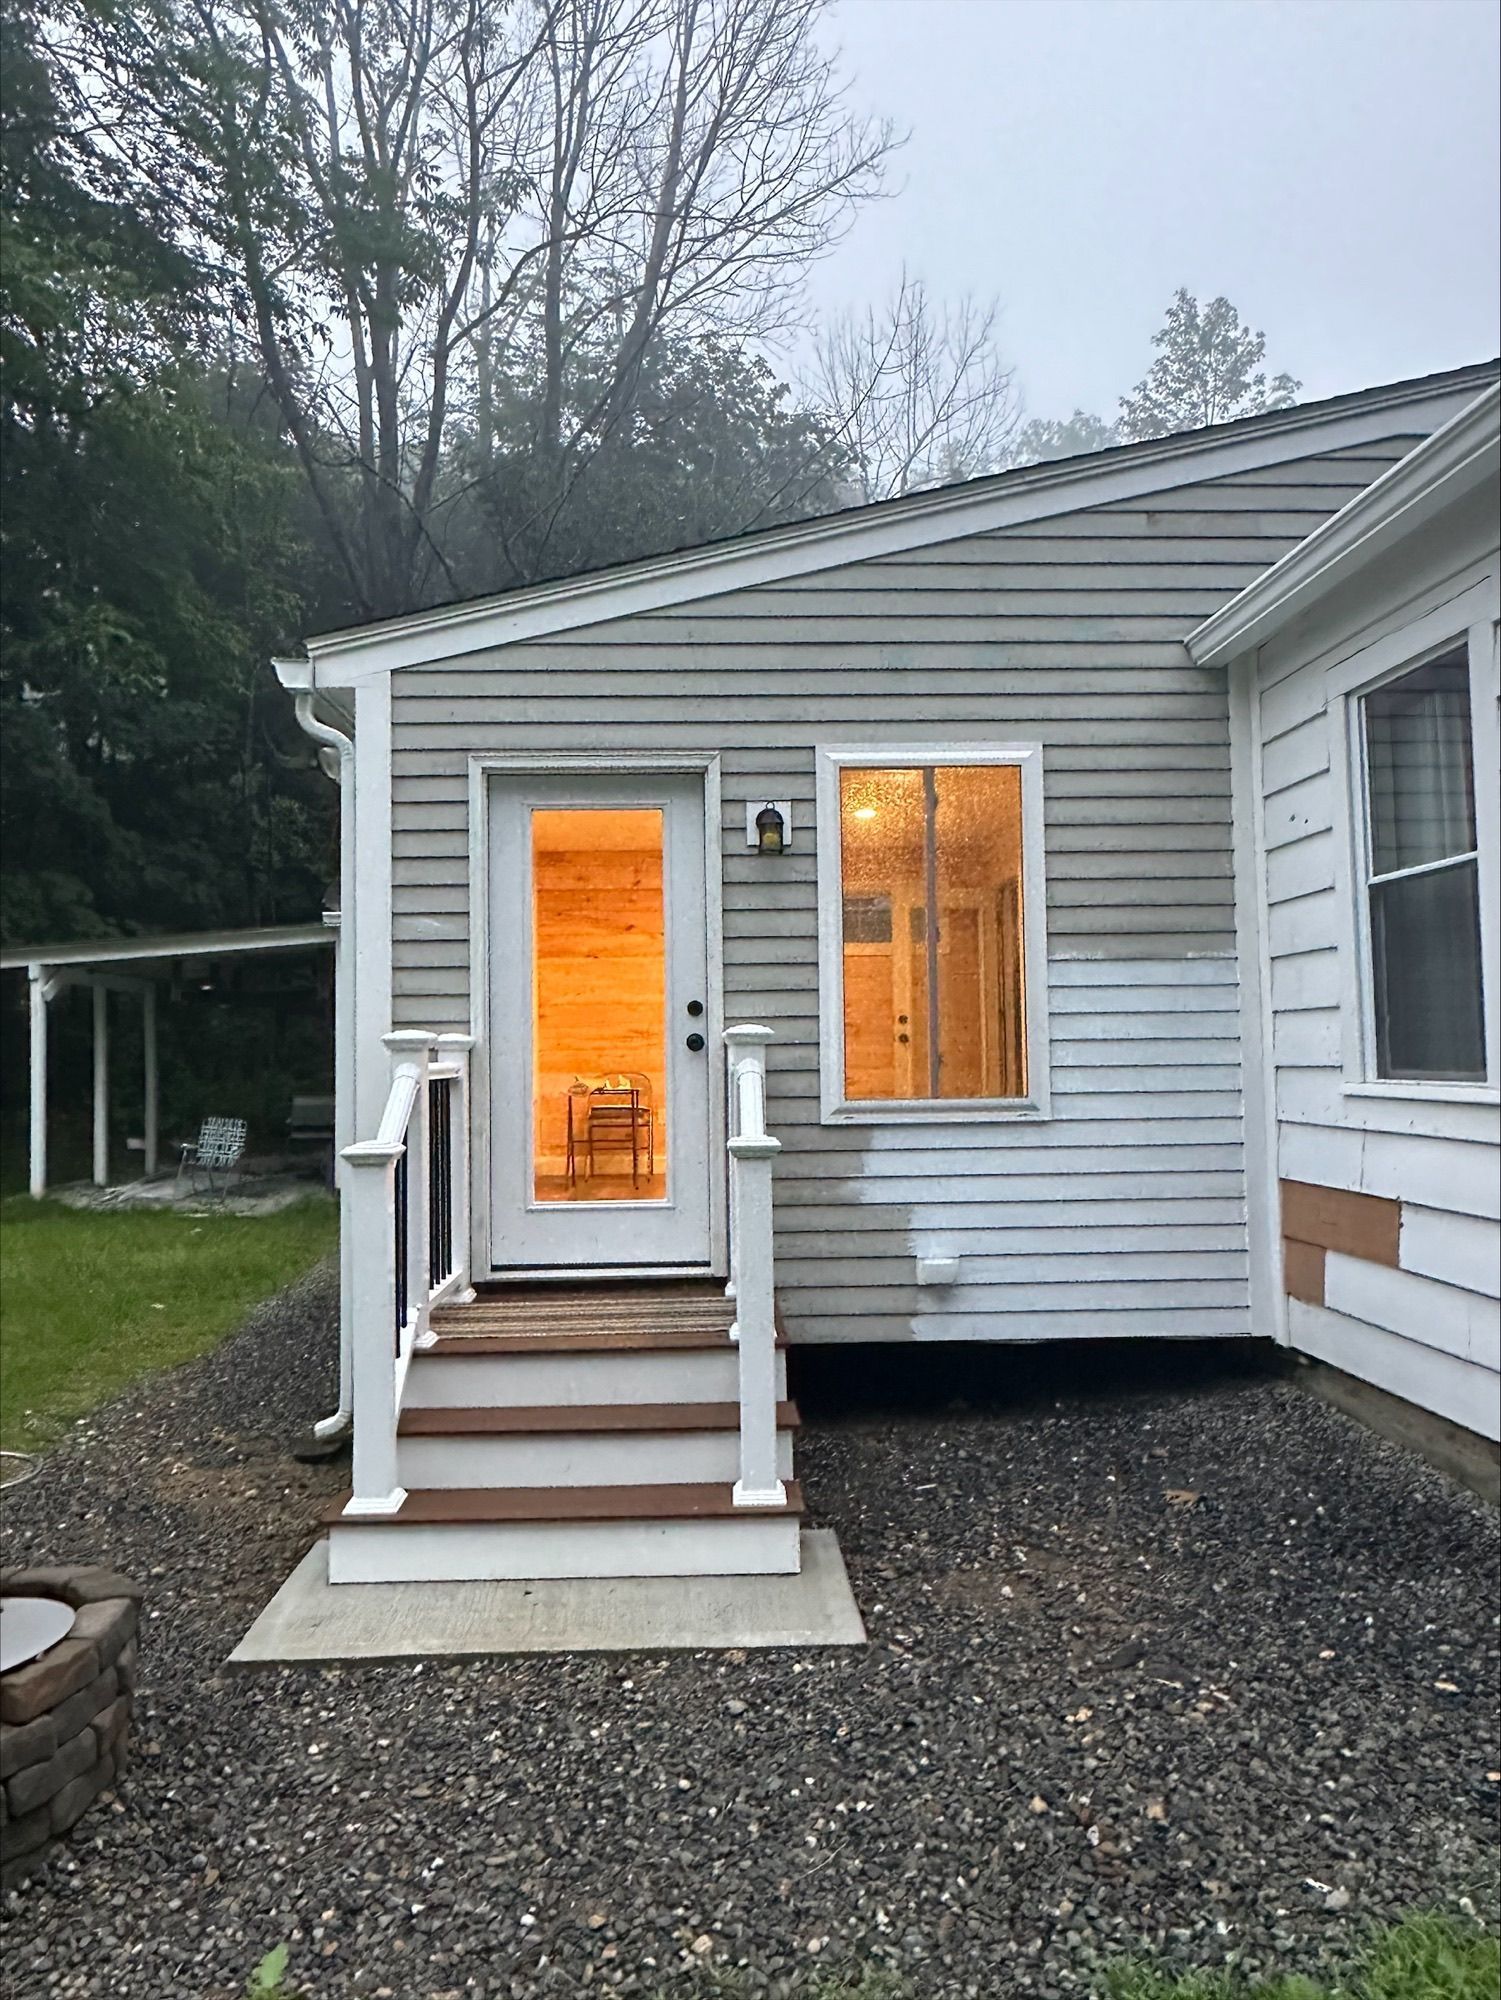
(137, 967)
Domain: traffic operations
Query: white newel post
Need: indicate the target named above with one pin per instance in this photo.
(732, 1131)
(414, 1046)
(454, 1048)
(369, 1203)
(752, 1151)
(379, 1347)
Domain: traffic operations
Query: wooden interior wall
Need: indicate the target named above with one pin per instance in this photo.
(600, 976)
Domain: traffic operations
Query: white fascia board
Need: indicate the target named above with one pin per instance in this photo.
(1465, 454)
(345, 659)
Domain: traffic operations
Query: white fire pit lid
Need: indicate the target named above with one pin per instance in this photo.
(28, 1626)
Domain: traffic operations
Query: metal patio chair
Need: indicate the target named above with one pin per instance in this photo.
(621, 1118)
(213, 1159)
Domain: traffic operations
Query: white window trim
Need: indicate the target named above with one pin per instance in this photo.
(835, 1107)
(1470, 619)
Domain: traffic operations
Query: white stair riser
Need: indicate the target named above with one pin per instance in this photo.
(589, 1458)
(530, 1381)
(498, 1551)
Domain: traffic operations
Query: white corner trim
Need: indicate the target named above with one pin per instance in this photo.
(371, 940)
(1258, 1068)
(1464, 454)
(342, 659)
(834, 1107)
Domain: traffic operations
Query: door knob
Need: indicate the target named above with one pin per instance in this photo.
(695, 1042)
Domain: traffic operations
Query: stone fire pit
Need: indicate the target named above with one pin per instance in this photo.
(65, 1715)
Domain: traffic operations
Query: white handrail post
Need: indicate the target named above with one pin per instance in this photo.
(413, 1046)
(455, 1049)
(752, 1151)
(369, 1195)
(150, 1084)
(39, 992)
(101, 1084)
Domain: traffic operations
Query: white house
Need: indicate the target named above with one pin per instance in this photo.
(1093, 873)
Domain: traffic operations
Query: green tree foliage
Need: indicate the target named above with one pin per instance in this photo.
(710, 447)
(1044, 438)
(1208, 371)
(407, 202)
(152, 561)
(196, 466)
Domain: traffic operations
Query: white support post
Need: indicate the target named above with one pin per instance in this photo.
(151, 1086)
(39, 993)
(455, 1049)
(752, 1151)
(344, 1127)
(101, 1085)
(413, 1046)
(369, 1195)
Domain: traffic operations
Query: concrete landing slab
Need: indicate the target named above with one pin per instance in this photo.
(310, 1619)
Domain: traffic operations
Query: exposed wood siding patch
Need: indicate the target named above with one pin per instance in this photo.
(1303, 1271)
(1360, 1225)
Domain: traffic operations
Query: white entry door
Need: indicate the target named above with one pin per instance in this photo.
(599, 1021)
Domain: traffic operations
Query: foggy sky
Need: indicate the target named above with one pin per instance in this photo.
(1329, 165)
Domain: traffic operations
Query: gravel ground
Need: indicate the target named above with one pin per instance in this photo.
(1205, 1668)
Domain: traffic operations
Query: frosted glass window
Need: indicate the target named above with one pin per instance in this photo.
(1422, 875)
(933, 1009)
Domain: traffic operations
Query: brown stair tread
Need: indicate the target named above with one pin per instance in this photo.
(542, 1319)
(455, 1339)
(554, 1419)
(459, 1506)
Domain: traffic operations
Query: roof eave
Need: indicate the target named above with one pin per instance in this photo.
(343, 659)
(1464, 454)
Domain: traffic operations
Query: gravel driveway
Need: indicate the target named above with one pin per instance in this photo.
(1098, 1714)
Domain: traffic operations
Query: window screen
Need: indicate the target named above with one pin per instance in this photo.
(933, 1009)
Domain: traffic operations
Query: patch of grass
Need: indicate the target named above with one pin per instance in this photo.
(90, 1301)
(1430, 1957)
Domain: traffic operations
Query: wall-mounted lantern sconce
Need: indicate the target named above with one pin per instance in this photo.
(768, 827)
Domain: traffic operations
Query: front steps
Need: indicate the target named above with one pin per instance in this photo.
(590, 1432)
(614, 1444)
(462, 1536)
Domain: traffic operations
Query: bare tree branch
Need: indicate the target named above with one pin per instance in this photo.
(920, 394)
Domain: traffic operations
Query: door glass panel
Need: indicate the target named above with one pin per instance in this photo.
(599, 977)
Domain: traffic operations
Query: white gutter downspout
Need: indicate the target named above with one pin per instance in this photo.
(336, 760)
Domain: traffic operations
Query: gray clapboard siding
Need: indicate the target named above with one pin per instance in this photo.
(1125, 1211)
(1430, 1329)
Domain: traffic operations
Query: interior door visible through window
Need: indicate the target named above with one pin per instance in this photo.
(599, 1142)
